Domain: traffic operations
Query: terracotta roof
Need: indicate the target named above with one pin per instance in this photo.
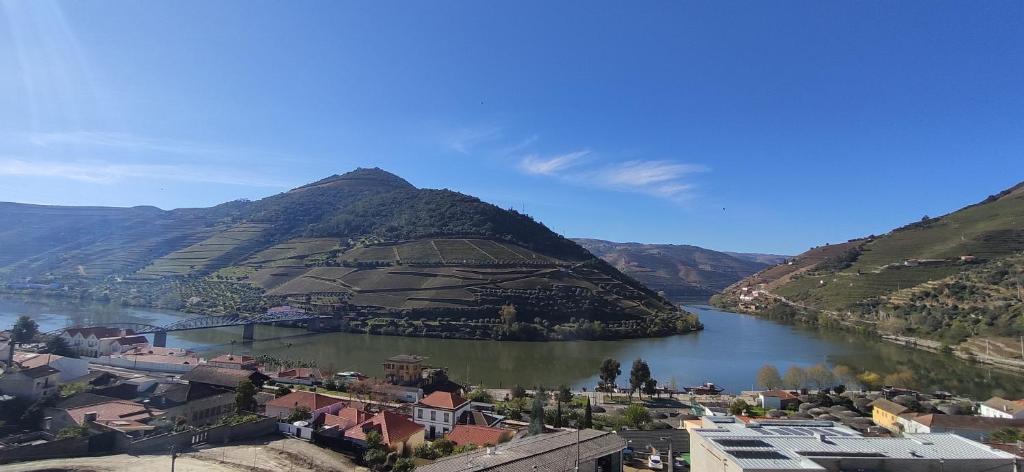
(463, 434)
(978, 423)
(406, 358)
(209, 374)
(300, 373)
(444, 400)
(889, 406)
(130, 340)
(346, 418)
(1007, 406)
(39, 371)
(393, 427)
(232, 359)
(30, 359)
(113, 412)
(778, 394)
(313, 401)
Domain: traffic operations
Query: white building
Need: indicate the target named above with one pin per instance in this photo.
(33, 383)
(439, 412)
(997, 407)
(69, 367)
(102, 341)
(152, 359)
(748, 449)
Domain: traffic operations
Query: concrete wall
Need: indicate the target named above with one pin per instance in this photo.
(215, 435)
(205, 410)
(143, 365)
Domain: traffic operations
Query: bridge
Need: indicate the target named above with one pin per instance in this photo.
(248, 324)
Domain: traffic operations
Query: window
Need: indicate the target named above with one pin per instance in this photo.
(419, 413)
(433, 415)
(446, 417)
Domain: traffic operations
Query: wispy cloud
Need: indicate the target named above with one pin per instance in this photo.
(100, 172)
(551, 165)
(465, 140)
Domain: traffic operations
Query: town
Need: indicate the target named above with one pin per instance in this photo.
(82, 394)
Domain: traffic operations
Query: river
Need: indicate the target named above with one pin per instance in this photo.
(728, 351)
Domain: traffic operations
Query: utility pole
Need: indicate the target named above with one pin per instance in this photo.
(174, 456)
(671, 459)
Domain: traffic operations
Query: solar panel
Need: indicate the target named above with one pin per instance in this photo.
(757, 455)
(742, 443)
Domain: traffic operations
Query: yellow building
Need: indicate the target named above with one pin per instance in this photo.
(404, 369)
(886, 414)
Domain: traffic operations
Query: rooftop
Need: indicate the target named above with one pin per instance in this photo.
(99, 332)
(778, 394)
(463, 434)
(346, 418)
(1009, 406)
(407, 358)
(121, 414)
(768, 427)
(220, 376)
(550, 452)
(38, 372)
(445, 400)
(313, 401)
(393, 427)
(978, 423)
(31, 359)
(890, 407)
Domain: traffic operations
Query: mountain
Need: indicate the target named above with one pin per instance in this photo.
(367, 245)
(951, 279)
(681, 272)
(767, 259)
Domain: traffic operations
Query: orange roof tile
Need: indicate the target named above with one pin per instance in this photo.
(463, 434)
(393, 427)
(313, 401)
(445, 400)
(114, 411)
(346, 418)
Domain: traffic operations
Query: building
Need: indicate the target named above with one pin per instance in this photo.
(234, 361)
(776, 399)
(152, 359)
(122, 415)
(997, 407)
(345, 418)
(439, 412)
(221, 377)
(195, 403)
(660, 440)
(6, 347)
(397, 393)
(101, 341)
(404, 369)
(466, 434)
(32, 383)
(723, 450)
(69, 367)
(550, 452)
(317, 404)
(886, 413)
(399, 433)
(298, 376)
(976, 428)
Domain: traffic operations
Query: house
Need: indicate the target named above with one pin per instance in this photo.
(465, 434)
(399, 433)
(439, 412)
(32, 383)
(345, 418)
(550, 452)
(221, 377)
(722, 450)
(975, 428)
(397, 393)
(152, 359)
(101, 341)
(404, 369)
(886, 413)
(195, 403)
(234, 361)
(298, 376)
(69, 367)
(776, 399)
(317, 404)
(122, 415)
(6, 347)
(997, 407)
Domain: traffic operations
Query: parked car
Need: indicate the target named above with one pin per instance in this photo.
(654, 462)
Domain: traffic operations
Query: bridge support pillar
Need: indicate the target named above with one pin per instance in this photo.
(248, 331)
(160, 339)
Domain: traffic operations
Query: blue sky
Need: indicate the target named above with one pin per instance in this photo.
(748, 126)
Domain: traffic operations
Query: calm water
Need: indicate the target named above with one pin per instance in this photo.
(728, 352)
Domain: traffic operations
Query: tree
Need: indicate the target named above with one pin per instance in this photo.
(638, 375)
(768, 377)
(819, 376)
(610, 371)
(900, 378)
(558, 415)
(300, 413)
(796, 377)
(73, 432)
(564, 394)
(56, 345)
(650, 387)
(282, 391)
(870, 379)
(537, 413)
(443, 447)
(588, 416)
(636, 416)
(24, 330)
(376, 454)
(843, 374)
(518, 391)
(738, 407)
(403, 464)
(245, 397)
(481, 395)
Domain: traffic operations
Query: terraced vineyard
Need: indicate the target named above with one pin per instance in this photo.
(210, 253)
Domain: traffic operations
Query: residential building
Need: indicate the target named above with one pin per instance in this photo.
(221, 377)
(101, 341)
(122, 415)
(197, 404)
(152, 359)
(234, 361)
(439, 412)
(997, 407)
(32, 383)
(344, 419)
(404, 369)
(397, 393)
(597, 451)
(298, 376)
(977, 428)
(69, 367)
(723, 450)
(317, 404)
(776, 399)
(399, 433)
(466, 434)
(886, 413)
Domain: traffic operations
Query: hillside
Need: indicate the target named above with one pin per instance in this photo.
(681, 272)
(949, 278)
(366, 245)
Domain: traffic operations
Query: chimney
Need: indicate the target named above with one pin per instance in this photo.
(90, 417)
(47, 423)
